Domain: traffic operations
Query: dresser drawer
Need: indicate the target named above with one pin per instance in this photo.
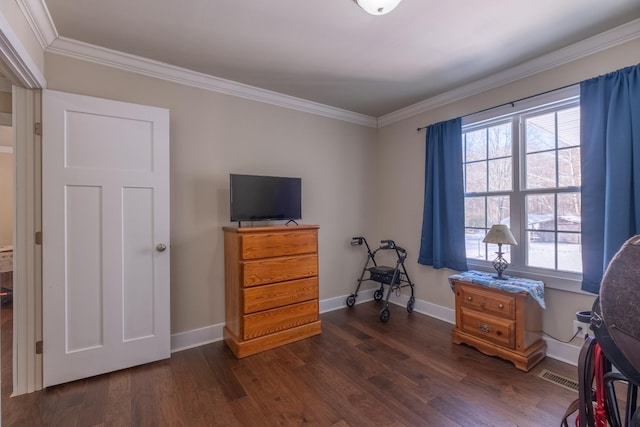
(275, 270)
(490, 328)
(258, 298)
(491, 302)
(265, 245)
(279, 319)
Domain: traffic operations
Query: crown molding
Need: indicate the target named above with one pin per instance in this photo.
(39, 19)
(616, 36)
(136, 64)
(37, 15)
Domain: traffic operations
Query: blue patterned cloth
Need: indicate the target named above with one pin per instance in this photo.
(535, 288)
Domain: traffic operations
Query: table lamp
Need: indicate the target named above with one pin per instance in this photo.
(500, 234)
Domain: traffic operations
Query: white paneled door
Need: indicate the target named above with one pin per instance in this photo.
(105, 203)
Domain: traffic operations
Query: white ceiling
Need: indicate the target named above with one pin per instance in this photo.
(334, 53)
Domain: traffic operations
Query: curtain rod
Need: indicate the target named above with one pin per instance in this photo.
(512, 103)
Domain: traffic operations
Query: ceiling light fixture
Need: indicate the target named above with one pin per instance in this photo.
(378, 7)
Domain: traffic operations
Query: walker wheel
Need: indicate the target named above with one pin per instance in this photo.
(378, 294)
(351, 300)
(410, 304)
(384, 315)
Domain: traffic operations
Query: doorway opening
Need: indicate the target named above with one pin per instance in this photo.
(6, 251)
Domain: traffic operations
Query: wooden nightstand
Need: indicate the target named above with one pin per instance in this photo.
(498, 322)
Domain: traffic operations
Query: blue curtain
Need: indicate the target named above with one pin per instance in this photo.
(442, 241)
(610, 138)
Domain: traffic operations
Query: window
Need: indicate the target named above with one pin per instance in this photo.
(522, 169)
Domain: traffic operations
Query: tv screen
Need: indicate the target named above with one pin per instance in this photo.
(261, 198)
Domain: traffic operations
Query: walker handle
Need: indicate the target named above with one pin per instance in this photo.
(387, 244)
(357, 241)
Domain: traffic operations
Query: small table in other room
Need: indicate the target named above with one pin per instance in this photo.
(6, 274)
(500, 317)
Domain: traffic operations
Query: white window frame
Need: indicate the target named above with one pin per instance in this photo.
(555, 279)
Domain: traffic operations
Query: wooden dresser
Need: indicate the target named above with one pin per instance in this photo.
(271, 286)
(499, 323)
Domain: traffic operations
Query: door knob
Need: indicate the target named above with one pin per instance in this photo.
(161, 247)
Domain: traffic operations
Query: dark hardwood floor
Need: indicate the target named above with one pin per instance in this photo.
(358, 372)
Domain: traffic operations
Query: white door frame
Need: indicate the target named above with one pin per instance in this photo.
(21, 69)
(27, 268)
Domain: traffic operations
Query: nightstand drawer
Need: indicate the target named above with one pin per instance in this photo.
(257, 298)
(488, 301)
(490, 328)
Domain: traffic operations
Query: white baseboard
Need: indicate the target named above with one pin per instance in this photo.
(429, 309)
(567, 353)
(196, 337)
(336, 303)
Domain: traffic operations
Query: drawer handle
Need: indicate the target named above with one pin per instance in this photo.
(500, 305)
(469, 298)
(484, 327)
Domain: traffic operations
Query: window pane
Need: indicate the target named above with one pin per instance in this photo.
(476, 145)
(500, 174)
(476, 177)
(569, 212)
(541, 212)
(569, 167)
(540, 133)
(541, 170)
(500, 140)
(569, 127)
(498, 210)
(473, 243)
(569, 252)
(474, 212)
(541, 249)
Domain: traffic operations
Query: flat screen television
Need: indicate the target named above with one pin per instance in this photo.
(262, 198)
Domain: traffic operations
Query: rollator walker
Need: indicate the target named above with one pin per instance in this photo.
(394, 277)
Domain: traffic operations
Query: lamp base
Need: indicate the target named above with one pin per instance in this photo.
(500, 264)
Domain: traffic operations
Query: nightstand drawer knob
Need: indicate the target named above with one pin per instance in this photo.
(469, 298)
(500, 305)
(484, 327)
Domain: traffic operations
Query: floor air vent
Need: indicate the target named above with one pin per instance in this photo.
(558, 379)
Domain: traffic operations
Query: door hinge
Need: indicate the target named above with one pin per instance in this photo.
(37, 128)
(39, 347)
(38, 237)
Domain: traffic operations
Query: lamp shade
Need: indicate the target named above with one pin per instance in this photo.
(500, 233)
(378, 7)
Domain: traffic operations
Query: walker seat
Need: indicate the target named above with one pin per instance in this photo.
(383, 274)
